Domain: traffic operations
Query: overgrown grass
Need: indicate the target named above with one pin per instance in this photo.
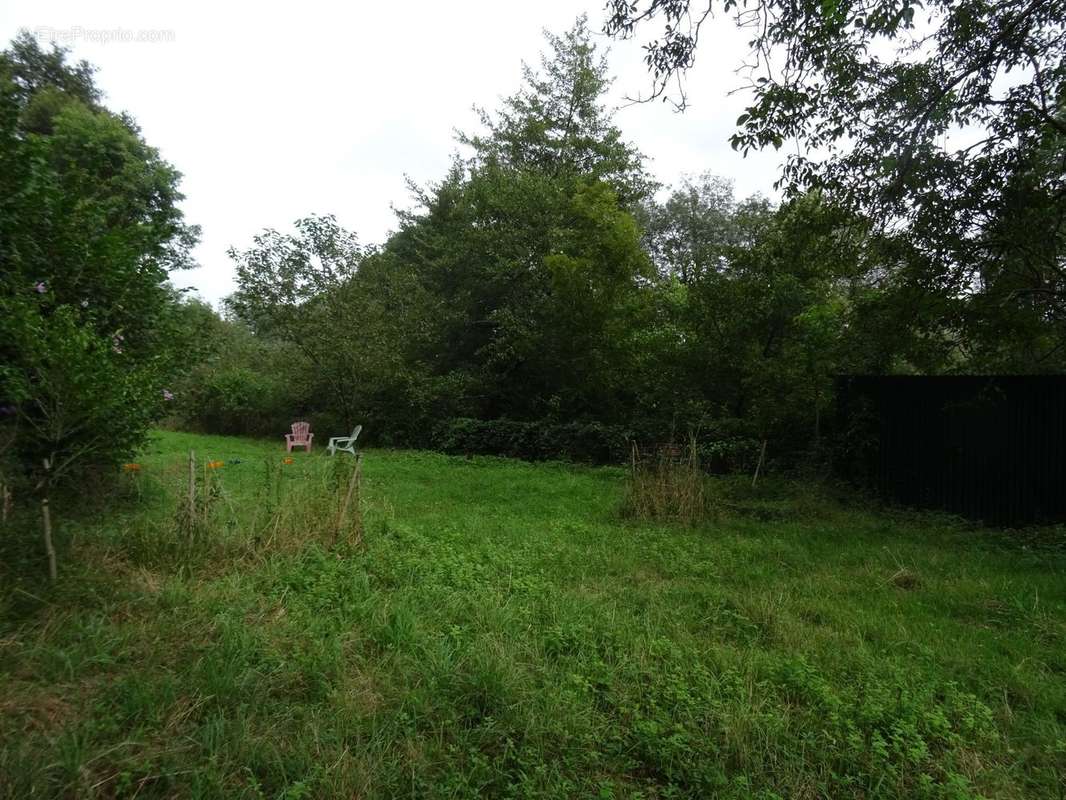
(668, 484)
(501, 629)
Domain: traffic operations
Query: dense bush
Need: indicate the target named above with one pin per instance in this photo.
(535, 441)
(243, 384)
(722, 447)
(729, 445)
(240, 401)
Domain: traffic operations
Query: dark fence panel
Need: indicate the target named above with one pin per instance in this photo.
(990, 448)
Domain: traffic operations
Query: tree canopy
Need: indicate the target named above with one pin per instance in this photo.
(943, 122)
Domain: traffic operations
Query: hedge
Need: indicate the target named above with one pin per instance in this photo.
(723, 448)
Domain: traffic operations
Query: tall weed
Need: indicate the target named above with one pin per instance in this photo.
(667, 484)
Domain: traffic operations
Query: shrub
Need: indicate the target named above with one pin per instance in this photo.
(535, 441)
(238, 400)
(722, 446)
(245, 386)
(727, 445)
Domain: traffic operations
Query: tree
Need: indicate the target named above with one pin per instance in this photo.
(89, 230)
(352, 315)
(557, 123)
(290, 287)
(530, 275)
(950, 142)
(774, 321)
(691, 231)
(33, 71)
(753, 310)
(530, 250)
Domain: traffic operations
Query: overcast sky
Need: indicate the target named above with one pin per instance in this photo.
(275, 112)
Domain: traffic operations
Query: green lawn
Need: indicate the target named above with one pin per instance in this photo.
(501, 631)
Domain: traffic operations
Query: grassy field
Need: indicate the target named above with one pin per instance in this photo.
(491, 628)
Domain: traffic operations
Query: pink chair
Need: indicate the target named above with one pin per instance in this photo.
(301, 436)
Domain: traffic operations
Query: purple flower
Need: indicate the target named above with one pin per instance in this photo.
(40, 287)
(168, 395)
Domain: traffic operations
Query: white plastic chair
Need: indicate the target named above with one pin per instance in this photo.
(345, 444)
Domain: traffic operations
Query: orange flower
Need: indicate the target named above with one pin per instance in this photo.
(131, 467)
(215, 464)
(287, 460)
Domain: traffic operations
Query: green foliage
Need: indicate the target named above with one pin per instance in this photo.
(240, 400)
(529, 303)
(86, 404)
(695, 228)
(534, 441)
(89, 228)
(751, 315)
(34, 72)
(241, 383)
(349, 314)
(943, 122)
(535, 276)
(530, 252)
(502, 632)
(722, 446)
(541, 284)
(556, 124)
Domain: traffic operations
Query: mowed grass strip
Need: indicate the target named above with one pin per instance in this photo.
(501, 629)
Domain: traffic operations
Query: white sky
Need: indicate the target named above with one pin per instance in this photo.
(273, 112)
